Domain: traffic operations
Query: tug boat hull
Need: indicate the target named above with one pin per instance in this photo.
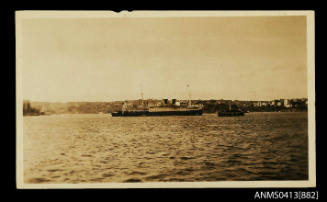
(231, 113)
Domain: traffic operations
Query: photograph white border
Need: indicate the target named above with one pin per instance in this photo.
(311, 182)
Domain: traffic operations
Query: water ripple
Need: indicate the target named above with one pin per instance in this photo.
(99, 148)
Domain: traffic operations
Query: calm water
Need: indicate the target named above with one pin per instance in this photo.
(100, 148)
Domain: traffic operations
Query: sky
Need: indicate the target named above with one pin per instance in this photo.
(107, 59)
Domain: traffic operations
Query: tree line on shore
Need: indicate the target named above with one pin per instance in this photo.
(29, 110)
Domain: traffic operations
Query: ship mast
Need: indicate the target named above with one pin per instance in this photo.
(189, 95)
(141, 92)
(142, 102)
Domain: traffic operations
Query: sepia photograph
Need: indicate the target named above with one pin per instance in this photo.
(165, 99)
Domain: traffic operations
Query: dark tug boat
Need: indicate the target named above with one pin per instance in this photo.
(231, 112)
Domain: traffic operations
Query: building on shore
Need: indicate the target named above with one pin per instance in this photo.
(287, 103)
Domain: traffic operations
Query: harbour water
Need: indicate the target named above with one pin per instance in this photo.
(87, 148)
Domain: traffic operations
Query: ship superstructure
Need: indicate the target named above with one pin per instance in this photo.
(165, 107)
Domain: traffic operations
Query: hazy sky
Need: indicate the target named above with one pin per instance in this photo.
(104, 59)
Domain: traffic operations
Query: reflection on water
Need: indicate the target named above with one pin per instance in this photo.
(100, 148)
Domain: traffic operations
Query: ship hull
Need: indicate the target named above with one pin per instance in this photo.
(159, 113)
(231, 113)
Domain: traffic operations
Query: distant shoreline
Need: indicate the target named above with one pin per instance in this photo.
(213, 113)
(209, 106)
